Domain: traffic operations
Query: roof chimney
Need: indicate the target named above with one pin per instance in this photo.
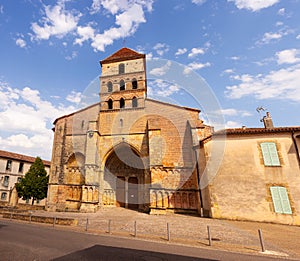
(268, 122)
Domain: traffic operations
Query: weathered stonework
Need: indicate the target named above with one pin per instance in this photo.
(127, 150)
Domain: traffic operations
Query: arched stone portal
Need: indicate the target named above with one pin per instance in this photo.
(124, 179)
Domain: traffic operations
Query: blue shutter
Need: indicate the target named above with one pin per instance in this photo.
(281, 200)
(273, 154)
(276, 199)
(266, 155)
(285, 202)
(270, 154)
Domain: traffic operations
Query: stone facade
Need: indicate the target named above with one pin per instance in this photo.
(14, 166)
(134, 152)
(258, 177)
(127, 150)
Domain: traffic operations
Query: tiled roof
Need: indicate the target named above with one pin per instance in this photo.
(123, 55)
(256, 130)
(20, 157)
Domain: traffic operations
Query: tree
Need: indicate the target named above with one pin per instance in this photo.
(35, 182)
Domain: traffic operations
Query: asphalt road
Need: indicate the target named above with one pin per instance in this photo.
(23, 241)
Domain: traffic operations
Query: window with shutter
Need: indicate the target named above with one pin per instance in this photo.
(280, 200)
(270, 154)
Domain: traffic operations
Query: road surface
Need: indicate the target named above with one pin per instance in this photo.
(23, 241)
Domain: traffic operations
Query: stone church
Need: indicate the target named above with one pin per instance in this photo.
(127, 150)
(134, 152)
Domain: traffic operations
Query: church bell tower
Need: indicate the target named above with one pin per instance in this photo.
(123, 83)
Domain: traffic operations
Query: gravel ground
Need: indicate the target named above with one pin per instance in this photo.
(239, 236)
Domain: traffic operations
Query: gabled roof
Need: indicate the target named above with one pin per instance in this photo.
(256, 130)
(20, 157)
(122, 55)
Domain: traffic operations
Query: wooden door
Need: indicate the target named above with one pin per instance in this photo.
(133, 199)
(120, 193)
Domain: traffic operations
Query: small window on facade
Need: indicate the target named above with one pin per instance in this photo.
(3, 196)
(134, 102)
(19, 179)
(134, 84)
(8, 164)
(110, 104)
(121, 68)
(6, 181)
(122, 103)
(270, 155)
(109, 86)
(122, 85)
(280, 200)
(21, 167)
(38, 201)
(121, 122)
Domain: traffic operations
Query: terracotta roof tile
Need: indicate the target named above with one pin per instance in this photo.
(256, 130)
(16, 156)
(122, 55)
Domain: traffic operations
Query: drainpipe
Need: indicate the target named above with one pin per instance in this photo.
(296, 147)
(198, 179)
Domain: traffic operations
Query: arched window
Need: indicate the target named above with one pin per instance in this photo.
(109, 87)
(110, 104)
(134, 84)
(134, 102)
(122, 85)
(121, 68)
(122, 103)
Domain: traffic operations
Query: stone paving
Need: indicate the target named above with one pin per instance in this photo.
(239, 236)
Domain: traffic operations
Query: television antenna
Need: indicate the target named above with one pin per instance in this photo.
(259, 110)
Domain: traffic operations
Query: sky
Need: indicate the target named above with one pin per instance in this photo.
(246, 51)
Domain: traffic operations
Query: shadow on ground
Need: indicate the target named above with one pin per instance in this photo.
(99, 252)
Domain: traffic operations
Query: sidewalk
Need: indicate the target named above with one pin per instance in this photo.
(238, 236)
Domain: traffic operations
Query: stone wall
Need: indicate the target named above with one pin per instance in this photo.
(240, 190)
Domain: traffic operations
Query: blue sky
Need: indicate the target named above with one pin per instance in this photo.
(247, 51)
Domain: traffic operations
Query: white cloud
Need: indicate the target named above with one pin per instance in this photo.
(196, 51)
(159, 71)
(280, 84)
(281, 11)
(21, 43)
(74, 97)
(161, 48)
(72, 56)
(31, 134)
(162, 88)
(195, 66)
(56, 22)
(235, 58)
(228, 71)
(85, 33)
(127, 23)
(232, 124)
(253, 5)
(1, 9)
(181, 51)
(288, 56)
(198, 2)
(298, 36)
(233, 112)
(273, 36)
(60, 22)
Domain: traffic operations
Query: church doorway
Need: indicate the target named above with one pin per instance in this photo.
(124, 178)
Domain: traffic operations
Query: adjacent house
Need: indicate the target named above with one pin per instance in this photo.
(13, 167)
